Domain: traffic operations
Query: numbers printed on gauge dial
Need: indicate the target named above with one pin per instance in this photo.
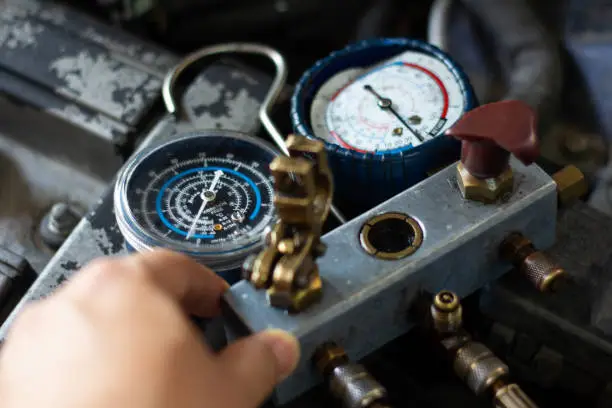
(196, 196)
(215, 203)
(398, 105)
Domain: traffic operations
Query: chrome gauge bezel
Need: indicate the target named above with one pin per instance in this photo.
(221, 257)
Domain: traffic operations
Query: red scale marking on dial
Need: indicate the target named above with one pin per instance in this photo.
(438, 81)
(427, 72)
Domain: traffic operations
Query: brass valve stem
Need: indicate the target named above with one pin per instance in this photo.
(348, 382)
(446, 313)
(536, 266)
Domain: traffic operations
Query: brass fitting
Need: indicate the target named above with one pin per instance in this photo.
(298, 299)
(478, 367)
(541, 271)
(329, 356)
(571, 185)
(484, 190)
(287, 266)
(475, 364)
(446, 313)
(483, 372)
(350, 383)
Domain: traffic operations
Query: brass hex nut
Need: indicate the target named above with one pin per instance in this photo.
(571, 184)
(484, 190)
(328, 356)
(515, 248)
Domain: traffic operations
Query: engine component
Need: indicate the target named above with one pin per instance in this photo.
(489, 134)
(16, 277)
(348, 382)
(58, 224)
(304, 190)
(481, 370)
(96, 86)
(379, 106)
(536, 266)
(366, 298)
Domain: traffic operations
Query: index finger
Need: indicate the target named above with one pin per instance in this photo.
(197, 288)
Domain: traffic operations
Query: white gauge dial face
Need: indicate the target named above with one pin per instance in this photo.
(399, 104)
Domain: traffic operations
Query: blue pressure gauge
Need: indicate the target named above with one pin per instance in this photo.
(381, 107)
(208, 195)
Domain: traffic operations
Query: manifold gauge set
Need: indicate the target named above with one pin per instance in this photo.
(441, 196)
(380, 108)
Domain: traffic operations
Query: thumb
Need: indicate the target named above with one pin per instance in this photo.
(256, 364)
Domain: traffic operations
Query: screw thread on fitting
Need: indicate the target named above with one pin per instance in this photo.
(536, 266)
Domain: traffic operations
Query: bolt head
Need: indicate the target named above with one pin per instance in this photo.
(484, 190)
(329, 356)
(62, 219)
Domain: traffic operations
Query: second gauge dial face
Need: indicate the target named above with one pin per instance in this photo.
(398, 105)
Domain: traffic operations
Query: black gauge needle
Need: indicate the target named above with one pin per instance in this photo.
(387, 104)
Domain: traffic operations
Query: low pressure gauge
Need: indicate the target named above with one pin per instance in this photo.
(208, 195)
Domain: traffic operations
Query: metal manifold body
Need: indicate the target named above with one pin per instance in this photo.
(366, 299)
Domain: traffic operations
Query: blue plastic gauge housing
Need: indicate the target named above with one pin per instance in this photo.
(382, 106)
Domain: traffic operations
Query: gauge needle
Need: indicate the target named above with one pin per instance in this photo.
(387, 104)
(205, 201)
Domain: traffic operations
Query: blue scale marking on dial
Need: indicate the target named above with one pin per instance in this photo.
(158, 201)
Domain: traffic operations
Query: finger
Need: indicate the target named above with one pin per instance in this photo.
(197, 288)
(258, 363)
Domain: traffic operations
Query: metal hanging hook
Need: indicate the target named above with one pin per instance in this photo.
(276, 88)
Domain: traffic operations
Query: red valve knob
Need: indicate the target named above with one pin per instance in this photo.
(491, 132)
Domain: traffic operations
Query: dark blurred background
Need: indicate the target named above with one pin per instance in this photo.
(303, 30)
(554, 55)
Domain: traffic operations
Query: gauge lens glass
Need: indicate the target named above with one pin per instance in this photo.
(397, 105)
(207, 193)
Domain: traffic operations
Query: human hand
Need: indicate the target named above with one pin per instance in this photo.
(118, 335)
